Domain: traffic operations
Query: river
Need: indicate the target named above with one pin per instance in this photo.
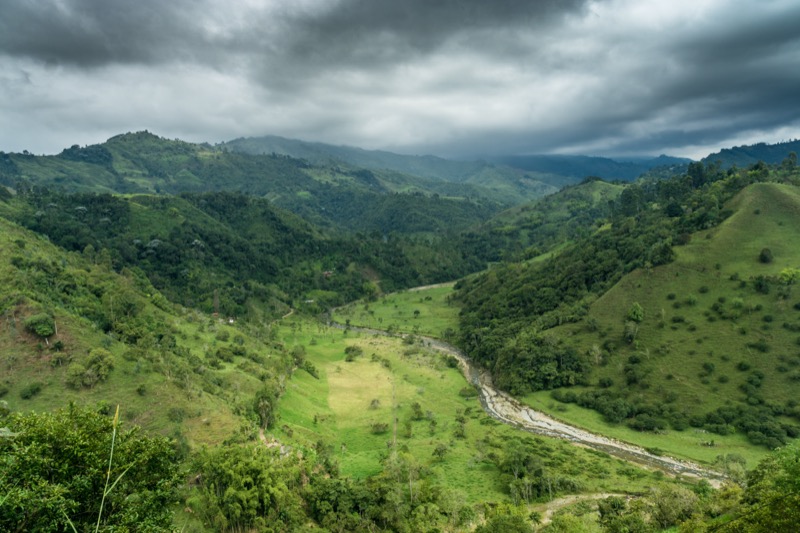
(505, 408)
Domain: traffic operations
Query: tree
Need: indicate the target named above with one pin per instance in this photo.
(636, 312)
(54, 470)
(772, 498)
(441, 451)
(41, 324)
(505, 523)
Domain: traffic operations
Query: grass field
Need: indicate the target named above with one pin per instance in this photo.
(425, 312)
(340, 407)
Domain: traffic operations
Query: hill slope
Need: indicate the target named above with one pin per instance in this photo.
(661, 337)
(74, 330)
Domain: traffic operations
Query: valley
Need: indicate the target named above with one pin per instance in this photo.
(321, 346)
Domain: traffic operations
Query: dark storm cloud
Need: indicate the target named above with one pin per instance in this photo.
(96, 32)
(369, 31)
(458, 77)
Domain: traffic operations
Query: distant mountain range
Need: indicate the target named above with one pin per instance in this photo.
(554, 170)
(581, 166)
(744, 156)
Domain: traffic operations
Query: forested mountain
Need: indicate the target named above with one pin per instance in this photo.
(560, 170)
(626, 311)
(746, 155)
(240, 255)
(332, 196)
(529, 230)
(499, 178)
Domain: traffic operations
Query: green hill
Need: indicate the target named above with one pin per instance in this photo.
(75, 331)
(237, 254)
(350, 198)
(658, 338)
(747, 155)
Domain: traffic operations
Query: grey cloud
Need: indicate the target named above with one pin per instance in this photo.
(91, 33)
(369, 30)
(456, 77)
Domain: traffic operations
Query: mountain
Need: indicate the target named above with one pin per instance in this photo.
(339, 197)
(509, 184)
(567, 169)
(677, 311)
(747, 155)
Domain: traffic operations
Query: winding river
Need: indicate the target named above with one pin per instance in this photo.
(506, 409)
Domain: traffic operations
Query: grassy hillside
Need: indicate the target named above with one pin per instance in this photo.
(719, 328)
(73, 330)
(658, 336)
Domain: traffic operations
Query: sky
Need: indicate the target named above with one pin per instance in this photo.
(455, 78)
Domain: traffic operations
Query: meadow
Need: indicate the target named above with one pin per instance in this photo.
(427, 311)
(448, 433)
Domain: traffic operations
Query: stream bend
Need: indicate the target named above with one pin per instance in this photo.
(507, 409)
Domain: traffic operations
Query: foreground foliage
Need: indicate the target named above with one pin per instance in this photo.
(54, 470)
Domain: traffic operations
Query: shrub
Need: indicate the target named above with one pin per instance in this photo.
(30, 390)
(378, 428)
(41, 325)
(468, 392)
(176, 414)
(765, 256)
(605, 382)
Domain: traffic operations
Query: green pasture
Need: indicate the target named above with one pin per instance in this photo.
(426, 311)
(382, 384)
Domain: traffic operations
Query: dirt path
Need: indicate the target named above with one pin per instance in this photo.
(549, 509)
(434, 286)
(509, 410)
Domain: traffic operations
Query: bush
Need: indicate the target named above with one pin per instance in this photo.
(65, 479)
(468, 392)
(379, 428)
(41, 325)
(605, 382)
(765, 256)
(30, 390)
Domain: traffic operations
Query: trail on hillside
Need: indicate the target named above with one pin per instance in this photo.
(503, 407)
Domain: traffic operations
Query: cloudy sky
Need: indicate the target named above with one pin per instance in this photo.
(450, 77)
